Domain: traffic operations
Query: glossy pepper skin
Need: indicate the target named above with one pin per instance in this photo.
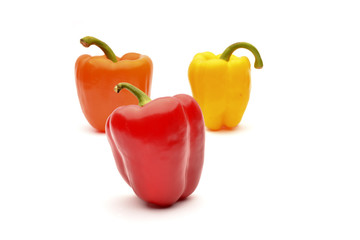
(158, 146)
(221, 85)
(96, 76)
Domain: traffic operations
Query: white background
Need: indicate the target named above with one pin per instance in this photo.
(291, 170)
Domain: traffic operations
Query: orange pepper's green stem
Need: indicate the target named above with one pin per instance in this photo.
(88, 41)
(229, 50)
(141, 96)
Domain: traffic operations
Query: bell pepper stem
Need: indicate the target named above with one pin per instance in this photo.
(88, 41)
(141, 96)
(229, 50)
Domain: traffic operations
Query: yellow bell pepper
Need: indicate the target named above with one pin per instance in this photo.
(221, 85)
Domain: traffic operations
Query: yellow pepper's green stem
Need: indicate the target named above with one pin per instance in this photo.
(141, 96)
(229, 50)
(88, 41)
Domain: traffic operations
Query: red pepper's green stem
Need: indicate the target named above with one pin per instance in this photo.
(141, 96)
(88, 41)
(229, 50)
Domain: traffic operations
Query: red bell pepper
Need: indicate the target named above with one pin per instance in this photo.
(158, 145)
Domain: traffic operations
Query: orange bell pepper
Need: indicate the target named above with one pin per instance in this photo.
(96, 77)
